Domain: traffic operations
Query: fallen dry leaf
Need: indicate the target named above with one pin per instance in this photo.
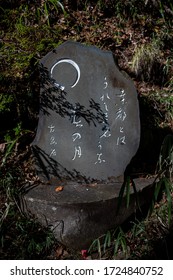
(59, 252)
(2, 147)
(59, 188)
(93, 185)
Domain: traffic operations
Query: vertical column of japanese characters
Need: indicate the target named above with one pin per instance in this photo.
(121, 116)
(52, 141)
(76, 136)
(106, 127)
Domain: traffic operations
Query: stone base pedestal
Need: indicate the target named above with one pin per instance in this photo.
(80, 213)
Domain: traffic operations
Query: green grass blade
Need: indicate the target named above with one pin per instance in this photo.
(168, 187)
(107, 241)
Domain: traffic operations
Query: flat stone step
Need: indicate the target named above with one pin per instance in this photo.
(80, 213)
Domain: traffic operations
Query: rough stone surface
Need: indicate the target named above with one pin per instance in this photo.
(87, 134)
(80, 213)
(89, 127)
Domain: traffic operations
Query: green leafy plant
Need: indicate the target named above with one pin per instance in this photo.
(33, 240)
(12, 139)
(96, 246)
(127, 188)
(137, 228)
(165, 163)
(48, 7)
(163, 181)
(113, 240)
(165, 8)
(120, 242)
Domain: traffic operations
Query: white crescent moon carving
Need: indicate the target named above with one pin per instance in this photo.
(74, 64)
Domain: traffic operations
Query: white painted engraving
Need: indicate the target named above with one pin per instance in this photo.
(53, 153)
(76, 136)
(74, 64)
(77, 152)
(99, 159)
(52, 141)
(51, 128)
(106, 134)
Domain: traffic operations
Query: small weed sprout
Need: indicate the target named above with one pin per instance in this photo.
(96, 246)
(120, 242)
(47, 8)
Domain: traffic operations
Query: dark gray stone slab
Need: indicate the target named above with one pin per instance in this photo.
(89, 127)
(80, 213)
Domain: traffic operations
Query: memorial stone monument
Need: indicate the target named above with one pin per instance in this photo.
(88, 132)
(89, 127)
